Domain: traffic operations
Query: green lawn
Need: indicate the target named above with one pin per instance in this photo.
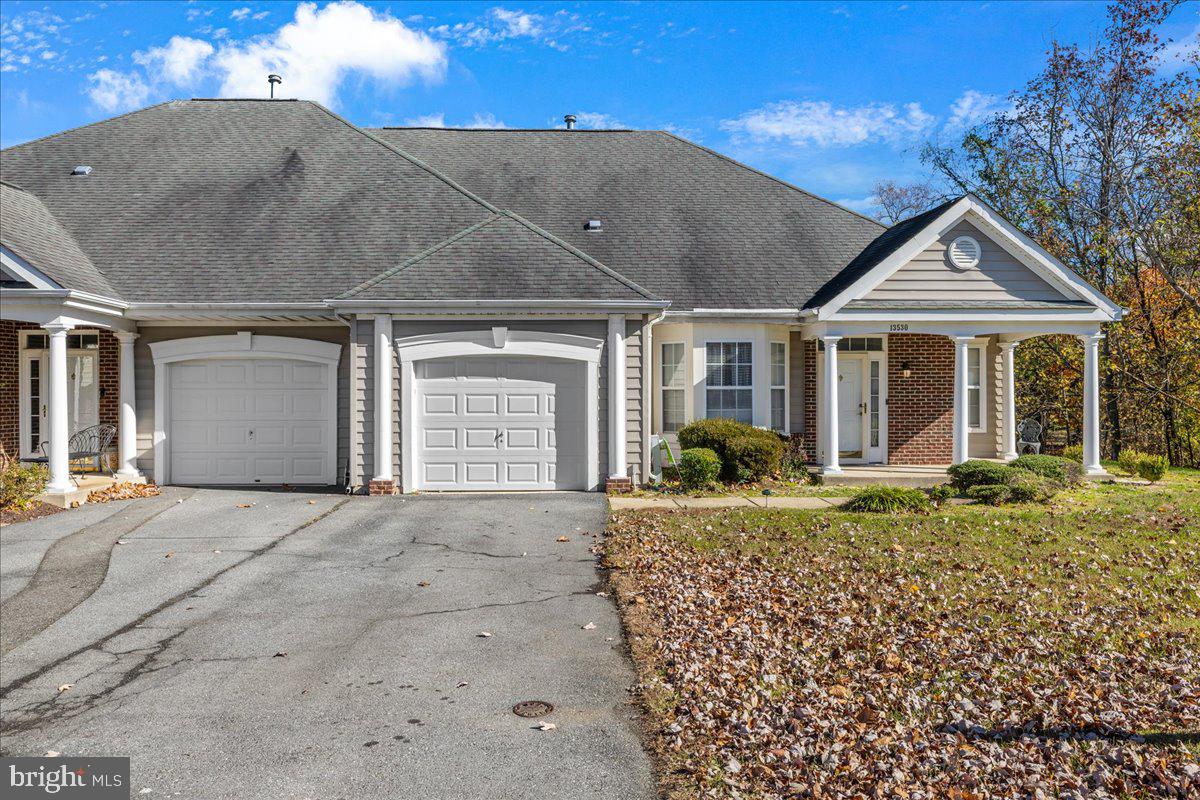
(784, 652)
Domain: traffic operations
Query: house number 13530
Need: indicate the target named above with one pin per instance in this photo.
(899, 327)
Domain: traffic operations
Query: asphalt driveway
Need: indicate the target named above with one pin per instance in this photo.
(260, 644)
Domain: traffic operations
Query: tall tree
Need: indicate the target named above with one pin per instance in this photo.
(1097, 161)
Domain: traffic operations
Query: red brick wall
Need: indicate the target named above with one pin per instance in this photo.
(10, 376)
(10, 382)
(810, 398)
(920, 407)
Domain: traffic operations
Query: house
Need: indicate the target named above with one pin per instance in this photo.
(262, 292)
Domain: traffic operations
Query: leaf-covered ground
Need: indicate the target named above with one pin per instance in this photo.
(1019, 652)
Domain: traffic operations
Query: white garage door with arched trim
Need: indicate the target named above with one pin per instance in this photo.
(245, 409)
(492, 423)
(499, 410)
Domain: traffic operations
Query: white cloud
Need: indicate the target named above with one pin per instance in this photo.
(427, 121)
(972, 108)
(863, 205)
(502, 24)
(117, 91)
(316, 51)
(180, 60)
(240, 13)
(261, 15)
(30, 39)
(1179, 54)
(822, 124)
(439, 121)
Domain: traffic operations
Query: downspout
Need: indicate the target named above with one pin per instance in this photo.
(352, 335)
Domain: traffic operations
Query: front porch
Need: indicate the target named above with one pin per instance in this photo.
(921, 476)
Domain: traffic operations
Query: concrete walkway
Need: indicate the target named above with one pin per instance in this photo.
(617, 503)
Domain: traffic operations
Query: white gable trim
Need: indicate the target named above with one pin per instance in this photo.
(1020, 246)
(21, 269)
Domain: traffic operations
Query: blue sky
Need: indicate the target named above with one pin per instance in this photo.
(831, 96)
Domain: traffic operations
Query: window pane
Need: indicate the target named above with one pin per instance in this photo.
(672, 410)
(728, 364)
(672, 364)
(973, 407)
(973, 359)
(778, 364)
(36, 341)
(743, 376)
(777, 410)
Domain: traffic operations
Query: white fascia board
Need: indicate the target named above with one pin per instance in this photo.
(1016, 243)
(1009, 328)
(916, 244)
(968, 316)
(444, 306)
(782, 316)
(25, 271)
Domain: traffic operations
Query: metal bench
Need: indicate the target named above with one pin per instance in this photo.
(90, 443)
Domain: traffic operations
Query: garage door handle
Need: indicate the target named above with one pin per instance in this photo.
(251, 433)
(499, 436)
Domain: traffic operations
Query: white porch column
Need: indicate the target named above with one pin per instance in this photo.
(830, 464)
(616, 396)
(961, 429)
(127, 421)
(1091, 404)
(60, 477)
(383, 398)
(1010, 401)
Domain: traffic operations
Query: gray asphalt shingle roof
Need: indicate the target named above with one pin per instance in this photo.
(28, 229)
(688, 224)
(502, 258)
(238, 201)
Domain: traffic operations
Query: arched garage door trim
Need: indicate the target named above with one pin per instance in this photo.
(242, 344)
(496, 342)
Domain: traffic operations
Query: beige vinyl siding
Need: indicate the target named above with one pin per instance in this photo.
(144, 378)
(999, 276)
(635, 410)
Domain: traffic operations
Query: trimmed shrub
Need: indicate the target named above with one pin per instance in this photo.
(794, 464)
(941, 493)
(1052, 467)
(888, 500)
(1128, 461)
(978, 473)
(720, 435)
(1073, 452)
(1153, 468)
(1028, 487)
(992, 494)
(20, 483)
(698, 467)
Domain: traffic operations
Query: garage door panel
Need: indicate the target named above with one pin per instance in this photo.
(241, 421)
(513, 396)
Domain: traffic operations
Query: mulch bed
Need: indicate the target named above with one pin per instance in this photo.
(807, 672)
(9, 516)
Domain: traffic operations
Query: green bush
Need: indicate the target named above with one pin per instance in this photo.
(941, 493)
(1073, 452)
(1153, 468)
(794, 464)
(978, 473)
(720, 435)
(698, 467)
(20, 483)
(1128, 461)
(888, 500)
(992, 494)
(1029, 487)
(1052, 467)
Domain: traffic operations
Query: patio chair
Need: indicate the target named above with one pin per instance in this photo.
(1029, 436)
(89, 443)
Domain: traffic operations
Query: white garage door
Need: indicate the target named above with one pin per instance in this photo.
(493, 423)
(244, 421)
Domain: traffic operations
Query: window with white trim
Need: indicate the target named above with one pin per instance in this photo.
(673, 385)
(779, 386)
(729, 378)
(975, 400)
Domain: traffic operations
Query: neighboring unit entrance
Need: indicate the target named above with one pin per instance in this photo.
(862, 411)
(501, 423)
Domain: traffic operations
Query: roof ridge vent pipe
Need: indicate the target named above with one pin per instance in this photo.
(273, 79)
(570, 120)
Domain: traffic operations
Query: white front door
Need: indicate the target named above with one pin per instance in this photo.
(850, 407)
(492, 423)
(83, 396)
(251, 421)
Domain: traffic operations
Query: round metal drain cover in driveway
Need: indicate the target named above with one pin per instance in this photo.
(532, 708)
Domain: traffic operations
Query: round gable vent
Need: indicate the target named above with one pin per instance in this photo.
(963, 252)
